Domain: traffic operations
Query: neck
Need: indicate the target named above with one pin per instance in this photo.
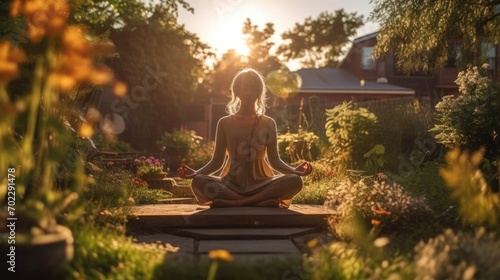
(246, 111)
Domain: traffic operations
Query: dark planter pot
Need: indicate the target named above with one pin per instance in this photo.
(41, 256)
(153, 176)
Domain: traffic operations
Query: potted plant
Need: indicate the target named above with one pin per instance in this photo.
(150, 168)
(37, 134)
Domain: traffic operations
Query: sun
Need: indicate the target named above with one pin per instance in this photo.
(230, 37)
(228, 31)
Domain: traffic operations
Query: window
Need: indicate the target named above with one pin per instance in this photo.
(367, 62)
(488, 55)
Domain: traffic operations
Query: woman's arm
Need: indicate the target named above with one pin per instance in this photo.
(272, 151)
(219, 152)
(275, 161)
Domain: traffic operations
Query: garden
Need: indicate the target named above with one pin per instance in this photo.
(415, 186)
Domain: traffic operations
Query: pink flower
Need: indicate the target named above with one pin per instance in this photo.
(163, 148)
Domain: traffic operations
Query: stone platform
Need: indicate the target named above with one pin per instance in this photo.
(249, 233)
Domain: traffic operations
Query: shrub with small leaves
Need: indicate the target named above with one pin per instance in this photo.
(381, 204)
(351, 131)
(459, 256)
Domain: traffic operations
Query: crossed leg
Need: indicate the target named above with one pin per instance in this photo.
(215, 192)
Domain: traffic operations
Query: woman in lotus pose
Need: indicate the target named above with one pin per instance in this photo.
(246, 149)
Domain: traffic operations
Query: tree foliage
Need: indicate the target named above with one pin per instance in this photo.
(158, 59)
(259, 44)
(423, 34)
(260, 58)
(320, 42)
(220, 78)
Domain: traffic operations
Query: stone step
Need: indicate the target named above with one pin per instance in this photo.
(242, 233)
(164, 217)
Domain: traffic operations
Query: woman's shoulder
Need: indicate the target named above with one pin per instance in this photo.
(225, 119)
(268, 119)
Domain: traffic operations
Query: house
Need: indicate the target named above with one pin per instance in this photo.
(330, 86)
(428, 87)
(359, 78)
(334, 86)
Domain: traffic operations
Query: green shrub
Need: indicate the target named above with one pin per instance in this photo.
(341, 260)
(200, 153)
(403, 122)
(380, 204)
(314, 192)
(459, 255)
(177, 142)
(294, 147)
(104, 253)
(351, 131)
(114, 191)
(192, 149)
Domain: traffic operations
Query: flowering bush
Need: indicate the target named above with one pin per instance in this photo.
(471, 120)
(149, 165)
(459, 256)
(379, 204)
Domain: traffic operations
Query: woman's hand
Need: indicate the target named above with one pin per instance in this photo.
(303, 169)
(186, 172)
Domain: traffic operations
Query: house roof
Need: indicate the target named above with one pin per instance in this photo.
(365, 37)
(340, 81)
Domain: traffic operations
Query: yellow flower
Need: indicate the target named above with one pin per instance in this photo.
(220, 255)
(15, 8)
(86, 130)
(120, 89)
(312, 243)
(44, 17)
(76, 62)
(9, 60)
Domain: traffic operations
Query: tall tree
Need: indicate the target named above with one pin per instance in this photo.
(424, 34)
(259, 44)
(320, 42)
(162, 64)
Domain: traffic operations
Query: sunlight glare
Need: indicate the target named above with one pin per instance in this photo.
(228, 32)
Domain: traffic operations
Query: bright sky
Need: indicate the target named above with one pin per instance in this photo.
(219, 23)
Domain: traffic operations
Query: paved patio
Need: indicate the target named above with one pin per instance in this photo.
(249, 233)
